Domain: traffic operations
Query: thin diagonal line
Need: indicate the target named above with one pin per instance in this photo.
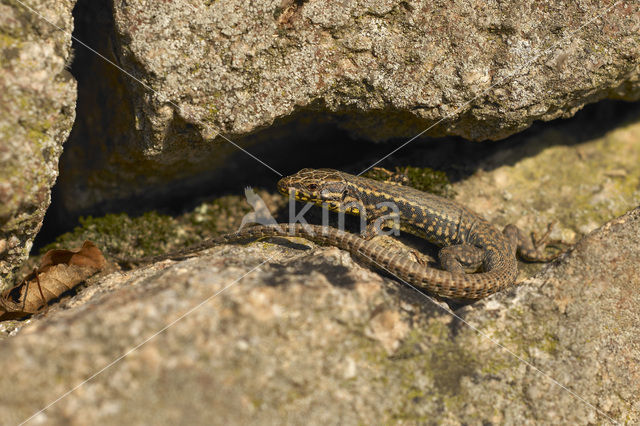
(497, 343)
(145, 85)
(484, 92)
(192, 7)
(115, 361)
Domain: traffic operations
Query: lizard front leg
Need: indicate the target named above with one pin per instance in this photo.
(459, 257)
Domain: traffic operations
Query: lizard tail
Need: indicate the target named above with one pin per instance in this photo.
(437, 281)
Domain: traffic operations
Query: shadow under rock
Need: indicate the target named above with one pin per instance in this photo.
(460, 158)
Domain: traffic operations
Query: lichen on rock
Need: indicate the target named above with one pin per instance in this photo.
(37, 104)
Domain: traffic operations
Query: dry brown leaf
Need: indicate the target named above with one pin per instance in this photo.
(59, 271)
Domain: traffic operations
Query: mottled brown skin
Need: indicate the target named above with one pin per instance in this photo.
(468, 240)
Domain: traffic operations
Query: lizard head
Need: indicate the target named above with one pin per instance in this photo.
(316, 186)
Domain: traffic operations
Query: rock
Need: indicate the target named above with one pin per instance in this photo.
(37, 97)
(388, 328)
(265, 336)
(269, 332)
(226, 68)
(379, 69)
(572, 175)
(576, 325)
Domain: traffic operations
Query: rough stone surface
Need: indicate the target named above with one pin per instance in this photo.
(37, 109)
(380, 69)
(562, 175)
(271, 332)
(578, 323)
(312, 336)
(267, 333)
(233, 67)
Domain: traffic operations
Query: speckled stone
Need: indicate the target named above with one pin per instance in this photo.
(37, 109)
(235, 66)
(379, 69)
(271, 333)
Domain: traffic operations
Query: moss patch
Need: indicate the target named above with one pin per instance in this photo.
(154, 233)
(145, 235)
(422, 178)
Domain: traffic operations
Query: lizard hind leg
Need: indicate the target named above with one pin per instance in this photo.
(529, 247)
(461, 258)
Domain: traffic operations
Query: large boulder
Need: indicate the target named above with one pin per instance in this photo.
(199, 75)
(487, 70)
(37, 109)
(271, 333)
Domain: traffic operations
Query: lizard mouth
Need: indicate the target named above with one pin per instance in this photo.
(283, 186)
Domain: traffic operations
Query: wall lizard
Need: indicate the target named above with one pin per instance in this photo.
(466, 238)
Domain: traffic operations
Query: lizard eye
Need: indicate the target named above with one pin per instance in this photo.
(312, 186)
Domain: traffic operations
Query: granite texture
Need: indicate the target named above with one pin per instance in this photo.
(271, 333)
(195, 73)
(37, 109)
